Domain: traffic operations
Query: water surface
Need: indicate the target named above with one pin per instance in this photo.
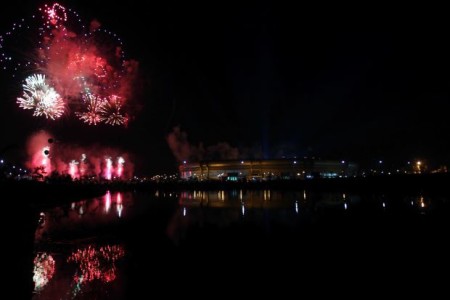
(114, 246)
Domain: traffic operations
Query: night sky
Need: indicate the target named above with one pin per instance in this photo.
(358, 84)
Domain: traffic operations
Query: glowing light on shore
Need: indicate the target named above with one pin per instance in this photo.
(120, 163)
(83, 163)
(82, 167)
(108, 168)
(73, 169)
(45, 159)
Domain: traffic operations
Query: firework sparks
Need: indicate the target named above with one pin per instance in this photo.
(38, 95)
(83, 163)
(111, 112)
(97, 263)
(85, 68)
(92, 116)
(109, 167)
(44, 268)
(73, 169)
(78, 162)
(56, 14)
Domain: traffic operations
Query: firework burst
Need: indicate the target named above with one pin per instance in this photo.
(38, 95)
(111, 112)
(82, 69)
(92, 115)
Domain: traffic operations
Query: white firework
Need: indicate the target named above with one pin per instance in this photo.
(38, 95)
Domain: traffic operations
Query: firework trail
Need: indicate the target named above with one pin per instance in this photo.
(74, 67)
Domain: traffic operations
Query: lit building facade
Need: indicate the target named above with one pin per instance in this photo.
(236, 170)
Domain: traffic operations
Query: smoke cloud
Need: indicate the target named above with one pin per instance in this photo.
(183, 150)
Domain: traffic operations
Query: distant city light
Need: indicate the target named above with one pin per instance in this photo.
(380, 161)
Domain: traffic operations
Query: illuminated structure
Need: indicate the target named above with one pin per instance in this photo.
(235, 170)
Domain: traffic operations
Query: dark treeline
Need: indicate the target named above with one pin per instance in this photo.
(43, 193)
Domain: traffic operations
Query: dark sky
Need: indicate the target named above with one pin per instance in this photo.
(355, 83)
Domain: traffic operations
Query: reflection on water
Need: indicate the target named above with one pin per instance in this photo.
(77, 267)
(84, 248)
(44, 267)
(95, 263)
(86, 213)
(78, 274)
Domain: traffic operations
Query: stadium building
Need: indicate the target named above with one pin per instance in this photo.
(273, 169)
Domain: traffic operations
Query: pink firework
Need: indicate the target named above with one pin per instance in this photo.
(96, 263)
(108, 168)
(120, 163)
(39, 153)
(107, 200)
(55, 14)
(73, 169)
(119, 205)
(82, 66)
(83, 164)
(112, 112)
(92, 162)
(45, 159)
(92, 115)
